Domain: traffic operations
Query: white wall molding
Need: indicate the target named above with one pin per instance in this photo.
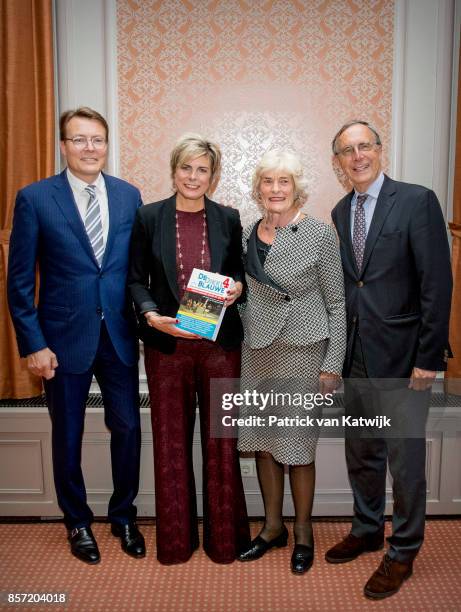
(111, 82)
(26, 486)
(422, 94)
(398, 87)
(86, 57)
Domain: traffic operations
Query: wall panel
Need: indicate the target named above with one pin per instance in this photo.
(251, 75)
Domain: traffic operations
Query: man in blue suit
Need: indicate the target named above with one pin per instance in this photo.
(76, 226)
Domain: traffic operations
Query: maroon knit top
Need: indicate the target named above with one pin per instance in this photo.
(190, 237)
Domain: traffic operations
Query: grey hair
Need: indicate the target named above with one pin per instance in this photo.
(277, 160)
(347, 126)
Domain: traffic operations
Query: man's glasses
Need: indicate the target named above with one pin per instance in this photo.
(80, 142)
(363, 147)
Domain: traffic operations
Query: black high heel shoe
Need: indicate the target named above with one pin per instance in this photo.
(302, 558)
(259, 547)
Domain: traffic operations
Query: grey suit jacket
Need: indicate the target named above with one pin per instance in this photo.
(298, 297)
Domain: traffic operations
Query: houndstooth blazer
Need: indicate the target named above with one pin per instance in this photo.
(298, 296)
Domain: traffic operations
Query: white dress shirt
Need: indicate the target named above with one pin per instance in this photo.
(82, 197)
(369, 204)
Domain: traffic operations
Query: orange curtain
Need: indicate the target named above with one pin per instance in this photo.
(453, 374)
(26, 147)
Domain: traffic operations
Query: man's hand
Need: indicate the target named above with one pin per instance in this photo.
(420, 380)
(42, 363)
(167, 325)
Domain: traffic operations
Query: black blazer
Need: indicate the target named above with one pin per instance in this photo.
(152, 275)
(401, 297)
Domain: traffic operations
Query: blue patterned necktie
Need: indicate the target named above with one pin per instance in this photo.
(93, 224)
(359, 234)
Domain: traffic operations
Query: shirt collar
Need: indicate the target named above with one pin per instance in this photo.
(79, 185)
(374, 189)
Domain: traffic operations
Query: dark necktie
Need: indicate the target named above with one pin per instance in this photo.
(93, 224)
(359, 233)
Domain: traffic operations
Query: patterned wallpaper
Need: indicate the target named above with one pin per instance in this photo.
(252, 75)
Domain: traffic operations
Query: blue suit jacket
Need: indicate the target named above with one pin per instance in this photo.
(74, 291)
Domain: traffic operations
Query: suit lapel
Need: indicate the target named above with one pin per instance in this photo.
(168, 248)
(168, 244)
(253, 265)
(65, 200)
(214, 235)
(384, 204)
(115, 208)
(344, 229)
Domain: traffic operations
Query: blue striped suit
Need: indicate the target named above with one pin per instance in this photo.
(84, 316)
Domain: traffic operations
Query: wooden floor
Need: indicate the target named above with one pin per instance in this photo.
(34, 558)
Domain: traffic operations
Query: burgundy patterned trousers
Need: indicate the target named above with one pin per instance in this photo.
(175, 382)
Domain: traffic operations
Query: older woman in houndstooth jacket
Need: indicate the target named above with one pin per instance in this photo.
(295, 326)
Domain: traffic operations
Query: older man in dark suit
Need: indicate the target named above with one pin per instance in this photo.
(76, 226)
(396, 264)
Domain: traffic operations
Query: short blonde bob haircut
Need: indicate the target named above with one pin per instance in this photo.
(190, 146)
(281, 161)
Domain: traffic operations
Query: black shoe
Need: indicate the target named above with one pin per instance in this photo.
(302, 558)
(259, 547)
(83, 545)
(131, 538)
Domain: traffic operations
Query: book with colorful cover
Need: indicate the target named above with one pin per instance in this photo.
(202, 307)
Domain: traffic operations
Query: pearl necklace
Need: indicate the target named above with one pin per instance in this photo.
(179, 251)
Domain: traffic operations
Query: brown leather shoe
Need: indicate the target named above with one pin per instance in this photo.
(352, 546)
(388, 578)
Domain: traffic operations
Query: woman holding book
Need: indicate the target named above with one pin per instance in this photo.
(295, 341)
(170, 238)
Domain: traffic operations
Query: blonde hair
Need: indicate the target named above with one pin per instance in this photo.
(276, 161)
(190, 146)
